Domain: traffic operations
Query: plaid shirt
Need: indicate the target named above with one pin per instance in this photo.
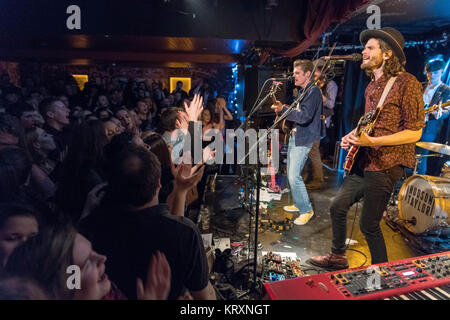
(403, 110)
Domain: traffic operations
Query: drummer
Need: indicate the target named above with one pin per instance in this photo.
(437, 127)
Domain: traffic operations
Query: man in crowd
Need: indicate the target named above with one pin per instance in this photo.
(56, 116)
(179, 90)
(140, 226)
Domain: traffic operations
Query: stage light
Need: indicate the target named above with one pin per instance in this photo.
(435, 58)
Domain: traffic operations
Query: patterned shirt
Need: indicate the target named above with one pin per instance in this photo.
(403, 110)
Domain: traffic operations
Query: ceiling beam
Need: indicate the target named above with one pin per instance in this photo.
(115, 57)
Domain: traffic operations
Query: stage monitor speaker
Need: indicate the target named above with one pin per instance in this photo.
(254, 81)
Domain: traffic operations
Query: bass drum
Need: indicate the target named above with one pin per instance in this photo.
(424, 203)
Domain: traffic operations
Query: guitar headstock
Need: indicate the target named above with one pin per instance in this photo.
(366, 118)
(273, 90)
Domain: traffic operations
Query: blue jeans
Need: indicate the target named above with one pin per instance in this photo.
(297, 157)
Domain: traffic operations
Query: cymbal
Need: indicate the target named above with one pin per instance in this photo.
(436, 147)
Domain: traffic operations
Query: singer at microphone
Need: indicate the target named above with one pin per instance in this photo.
(353, 57)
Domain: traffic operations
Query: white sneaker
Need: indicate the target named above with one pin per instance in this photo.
(290, 208)
(304, 218)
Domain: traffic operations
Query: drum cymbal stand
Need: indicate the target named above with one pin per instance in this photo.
(419, 159)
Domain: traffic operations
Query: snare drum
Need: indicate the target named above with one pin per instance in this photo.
(424, 203)
(445, 172)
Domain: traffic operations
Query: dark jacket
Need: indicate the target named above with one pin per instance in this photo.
(438, 131)
(309, 125)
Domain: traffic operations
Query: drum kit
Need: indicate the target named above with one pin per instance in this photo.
(423, 200)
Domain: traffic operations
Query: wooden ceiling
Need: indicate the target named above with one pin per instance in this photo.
(125, 50)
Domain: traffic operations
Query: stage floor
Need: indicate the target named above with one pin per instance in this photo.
(314, 238)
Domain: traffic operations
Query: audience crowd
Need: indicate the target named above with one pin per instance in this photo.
(91, 204)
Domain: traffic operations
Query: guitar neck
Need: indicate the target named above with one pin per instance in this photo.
(436, 106)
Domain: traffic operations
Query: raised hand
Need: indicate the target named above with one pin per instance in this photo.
(185, 179)
(157, 286)
(195, 108)
(93, 199)
(208, 154)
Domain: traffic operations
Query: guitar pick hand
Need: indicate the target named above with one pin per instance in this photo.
(362, 140)
(277, 106)
(345, 144)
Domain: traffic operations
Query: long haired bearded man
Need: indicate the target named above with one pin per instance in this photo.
(385, 153)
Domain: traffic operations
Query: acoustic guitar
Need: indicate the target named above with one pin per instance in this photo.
(286, 125)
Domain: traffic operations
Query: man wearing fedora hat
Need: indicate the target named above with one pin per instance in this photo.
(384, 154)
(436, 130)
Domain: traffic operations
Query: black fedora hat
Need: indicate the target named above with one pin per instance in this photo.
(391, 36)
(434, 65)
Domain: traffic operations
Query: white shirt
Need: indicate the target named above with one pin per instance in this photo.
(429, 93)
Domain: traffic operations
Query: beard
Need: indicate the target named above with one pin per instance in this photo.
(373, 63)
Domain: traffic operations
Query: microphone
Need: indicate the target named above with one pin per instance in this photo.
(352, 57)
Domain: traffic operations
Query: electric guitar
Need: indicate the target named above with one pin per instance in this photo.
(365, 125)
(436, 107)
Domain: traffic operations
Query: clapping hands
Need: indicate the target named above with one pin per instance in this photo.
(195, 108)
(157, 285)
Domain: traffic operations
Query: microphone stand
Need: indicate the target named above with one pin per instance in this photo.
(258, 178)
(249, 196)
(255, 108)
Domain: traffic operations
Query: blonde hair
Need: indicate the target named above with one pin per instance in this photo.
(305, 65)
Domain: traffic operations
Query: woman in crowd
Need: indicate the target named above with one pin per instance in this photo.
(82, 167)
(101, 102)
(15, 174)
(211, 120)
(47, 258)
(111, 129)
(142, 111)
(124, 117)
(159, 147)
(39, 144)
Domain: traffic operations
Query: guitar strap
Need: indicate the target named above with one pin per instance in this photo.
(386, 91)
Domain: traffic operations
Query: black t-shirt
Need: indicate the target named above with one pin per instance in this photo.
(61, 138)
(129, 239)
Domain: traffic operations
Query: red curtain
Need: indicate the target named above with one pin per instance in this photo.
(322, 13)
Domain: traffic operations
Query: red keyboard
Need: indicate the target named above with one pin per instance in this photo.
(419, 278)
